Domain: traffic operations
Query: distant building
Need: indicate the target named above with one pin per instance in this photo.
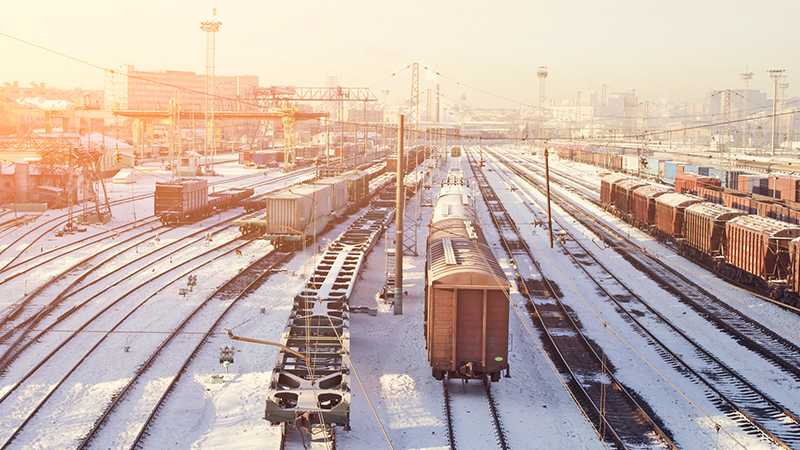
(129, 88)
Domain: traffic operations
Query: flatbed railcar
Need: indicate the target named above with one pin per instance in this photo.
(749, 249)
(466, 292)
(314, 391)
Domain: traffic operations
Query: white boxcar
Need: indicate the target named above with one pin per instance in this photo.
(300, 210)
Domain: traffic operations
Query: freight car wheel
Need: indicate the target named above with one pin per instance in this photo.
(776, 293)
(437, 374)
(495, 377)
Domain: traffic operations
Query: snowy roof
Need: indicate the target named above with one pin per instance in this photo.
(714, 211)
(676, 200)
(651, 190)
(45, 104)
(765, 226)
(464, 262)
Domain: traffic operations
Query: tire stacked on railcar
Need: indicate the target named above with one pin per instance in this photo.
(466, 292)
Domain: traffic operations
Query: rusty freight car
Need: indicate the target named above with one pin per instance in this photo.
(607, 188)
(622, 193)
(466, 306)
(759, 248)
(669, 213)
(704, 229)
(643, 204)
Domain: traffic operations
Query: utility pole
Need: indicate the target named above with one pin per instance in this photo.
(547, 181)
(398, 219)
(776, 75)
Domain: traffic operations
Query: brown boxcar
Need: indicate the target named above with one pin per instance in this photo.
(607, 187)
(794, 258)
(704, 226)
(622, 193)
(711, 194)
(738, 200)
(669, 213)
(759, 246)
(466, 298)
(643, 203)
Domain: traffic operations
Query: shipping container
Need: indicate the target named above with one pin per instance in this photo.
(671, 169)
(606, 188)
(357, 186)
(630, 164)
(300, 210)
(669, 213)
(643, 205)
(338, 186)
(704, 226)
(788, 186)
(759, 246)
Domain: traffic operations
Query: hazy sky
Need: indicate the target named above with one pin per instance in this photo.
(679, 48)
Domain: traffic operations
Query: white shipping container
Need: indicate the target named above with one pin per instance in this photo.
(630, 163)
(338, 191)
(304, 209)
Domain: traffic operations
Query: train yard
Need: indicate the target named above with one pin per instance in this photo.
(176, 328)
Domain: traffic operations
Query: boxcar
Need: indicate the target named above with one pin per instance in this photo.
(293, 214)
(669, 213)
(181, 200)
(738, 200)
(466, 298)
(704, 228)
(622, 193)
(794, 257)
(643, 203)
(607, 187)
(759, 247)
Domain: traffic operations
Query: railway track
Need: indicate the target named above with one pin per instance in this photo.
(497, 425)
(52, 223)
(618, 417)
(223, 299)
(31, 318)
(736, 397)
(775, 349)
(35, 406)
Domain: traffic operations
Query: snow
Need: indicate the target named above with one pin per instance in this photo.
(393, 390)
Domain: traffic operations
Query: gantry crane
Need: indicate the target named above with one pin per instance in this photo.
(284, 97)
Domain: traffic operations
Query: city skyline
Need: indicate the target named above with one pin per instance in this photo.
(682, 55)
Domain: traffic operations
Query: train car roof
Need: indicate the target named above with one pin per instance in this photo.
(714, 211)
(766, 226)
(614, 177)
(676, 200)
(652, 190)
(464, 263)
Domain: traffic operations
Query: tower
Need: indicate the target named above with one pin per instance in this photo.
(210, 27)
(776, 75)
(541, 73)
(788, 120)
(746, 77)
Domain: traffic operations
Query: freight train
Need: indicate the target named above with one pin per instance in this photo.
(466, 292)
(748, 249)
(187, 200)
(298, 213)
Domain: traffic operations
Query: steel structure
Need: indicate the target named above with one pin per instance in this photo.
(210, 27)
(776, 75)
(415, 94)
(314, 94)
